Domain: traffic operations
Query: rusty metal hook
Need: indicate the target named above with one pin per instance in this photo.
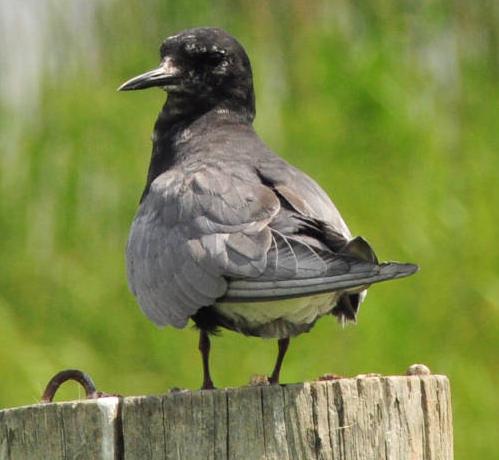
(72, 374)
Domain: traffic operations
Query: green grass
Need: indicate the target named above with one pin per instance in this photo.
(393, 109)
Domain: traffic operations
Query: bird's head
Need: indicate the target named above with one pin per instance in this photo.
(204, 65)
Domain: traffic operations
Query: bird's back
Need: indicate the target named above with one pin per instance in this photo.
(227, 212)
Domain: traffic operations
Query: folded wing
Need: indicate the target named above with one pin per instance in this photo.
(206, 236)
(191, 234)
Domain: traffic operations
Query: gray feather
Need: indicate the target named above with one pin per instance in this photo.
(255, 290)
(186, 240)
(238, 222)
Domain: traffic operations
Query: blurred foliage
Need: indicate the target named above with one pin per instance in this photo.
(391, 106)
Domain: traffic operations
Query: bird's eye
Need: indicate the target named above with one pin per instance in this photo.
(212, 57)
(209, 58)
(205, 56)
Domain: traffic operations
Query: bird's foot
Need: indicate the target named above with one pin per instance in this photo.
(208, 385)
(274, 380)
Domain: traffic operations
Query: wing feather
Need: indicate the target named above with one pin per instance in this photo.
(192, 233)
(204, 236)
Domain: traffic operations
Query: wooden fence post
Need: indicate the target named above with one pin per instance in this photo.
(362, 418)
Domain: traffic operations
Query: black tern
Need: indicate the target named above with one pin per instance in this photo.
(228, 233)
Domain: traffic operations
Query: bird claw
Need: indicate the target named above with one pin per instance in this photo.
(208, 386)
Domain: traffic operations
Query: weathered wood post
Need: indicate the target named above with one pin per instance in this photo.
(365, 418)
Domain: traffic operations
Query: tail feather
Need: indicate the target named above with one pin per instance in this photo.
(256, 291)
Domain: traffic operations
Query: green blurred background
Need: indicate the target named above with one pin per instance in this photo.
(391, 106)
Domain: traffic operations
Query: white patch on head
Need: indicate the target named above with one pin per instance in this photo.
(191, 46)
(168, 66)
(172, 70)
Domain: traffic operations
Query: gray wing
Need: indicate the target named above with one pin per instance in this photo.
(302, 193)
(308, 256)
(192, 233)
(210, 236)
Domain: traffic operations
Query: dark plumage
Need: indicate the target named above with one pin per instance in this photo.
(228, 233)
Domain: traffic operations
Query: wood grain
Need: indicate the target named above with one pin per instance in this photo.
(68, 430)
(364, 418)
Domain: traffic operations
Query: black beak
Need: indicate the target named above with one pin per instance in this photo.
(164, 75)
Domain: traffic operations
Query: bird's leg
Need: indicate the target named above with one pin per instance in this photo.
(204, 348)
(282, 345)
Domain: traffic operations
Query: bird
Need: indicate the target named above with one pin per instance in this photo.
(228, 233)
